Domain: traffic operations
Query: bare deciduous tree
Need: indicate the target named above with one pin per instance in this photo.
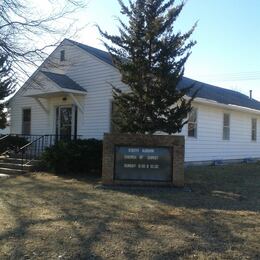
(28, 30)
(25, 28)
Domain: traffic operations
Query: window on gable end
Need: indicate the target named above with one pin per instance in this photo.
(62, 55)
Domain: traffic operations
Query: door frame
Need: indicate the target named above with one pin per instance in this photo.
(30, 128)
(73, 119)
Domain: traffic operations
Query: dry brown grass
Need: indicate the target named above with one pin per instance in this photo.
(43, 216)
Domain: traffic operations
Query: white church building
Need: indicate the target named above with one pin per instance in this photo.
(71, 94)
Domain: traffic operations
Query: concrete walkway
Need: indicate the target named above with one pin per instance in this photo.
(2, 175)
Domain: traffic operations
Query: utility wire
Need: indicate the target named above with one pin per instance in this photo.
(236, 76)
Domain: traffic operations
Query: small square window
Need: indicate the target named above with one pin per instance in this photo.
(62, 55)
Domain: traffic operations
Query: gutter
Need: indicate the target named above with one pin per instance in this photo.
(226, 106)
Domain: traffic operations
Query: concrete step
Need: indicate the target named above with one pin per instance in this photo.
(10, 160)
(11, 165)
(11, 171)
(18, 166)
(16, 160)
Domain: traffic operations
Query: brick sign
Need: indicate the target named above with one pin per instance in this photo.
(143, 163)
(139, 159)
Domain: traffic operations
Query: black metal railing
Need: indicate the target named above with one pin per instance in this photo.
(2, 137)
(2, 140)
(36, 145)
(31, 151)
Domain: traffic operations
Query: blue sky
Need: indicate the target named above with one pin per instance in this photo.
(228, 39)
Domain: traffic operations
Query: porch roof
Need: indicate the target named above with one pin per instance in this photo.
(63, 81)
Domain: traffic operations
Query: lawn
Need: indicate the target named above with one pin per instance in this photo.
(43, 216)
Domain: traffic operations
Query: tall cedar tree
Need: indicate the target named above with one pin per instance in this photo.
(6, 86)
(150, 58)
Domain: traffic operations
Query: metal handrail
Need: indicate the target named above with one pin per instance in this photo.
(5, 136)
(38, 145)
(29, 144)
(23, 149)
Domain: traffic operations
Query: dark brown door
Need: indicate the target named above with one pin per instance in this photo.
(64, 121)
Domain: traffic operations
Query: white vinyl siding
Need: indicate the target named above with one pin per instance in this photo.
(89, 72)
(96, 77)
(39, 119)
(210, 144)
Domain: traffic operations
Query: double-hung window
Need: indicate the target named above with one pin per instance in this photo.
(254, 129)
(192, 123)
(226, 126)
(26, 121)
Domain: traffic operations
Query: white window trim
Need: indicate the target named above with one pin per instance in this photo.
(197, 123)
(229, 126)
(253, 140)
(26, 108)
(64, 57)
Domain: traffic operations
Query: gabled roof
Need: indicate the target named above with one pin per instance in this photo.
(102, 55)
(207, 91)
(63, 81)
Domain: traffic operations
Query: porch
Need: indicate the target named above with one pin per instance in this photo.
(57, 102)
(54, 103)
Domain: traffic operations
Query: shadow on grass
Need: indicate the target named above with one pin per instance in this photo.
(50, 217)
(233, 187)
(68, 216)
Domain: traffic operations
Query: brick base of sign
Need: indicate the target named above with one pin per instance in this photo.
(127, 155)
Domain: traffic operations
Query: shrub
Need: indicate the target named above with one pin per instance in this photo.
(12, 143)
(79, 156)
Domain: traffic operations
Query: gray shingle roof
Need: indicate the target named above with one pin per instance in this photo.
(207, 91)
(220, 95)
(102, 55)
(63, 81)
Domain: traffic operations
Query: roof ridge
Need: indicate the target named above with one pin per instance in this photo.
(76, 42)
(221, 88)
(211, 92)
(98, 53)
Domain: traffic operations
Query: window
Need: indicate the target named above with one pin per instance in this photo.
(254, 129)
(26, 124)
(62, 55)
(226, 127)
(192, 123)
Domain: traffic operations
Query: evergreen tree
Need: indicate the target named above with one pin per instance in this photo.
(150, 58)
(6, 86)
